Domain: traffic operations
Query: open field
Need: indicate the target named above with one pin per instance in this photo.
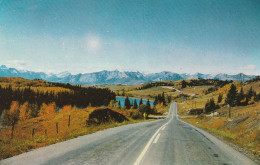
(42, 131)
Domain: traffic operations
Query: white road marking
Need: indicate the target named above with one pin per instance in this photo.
(163, 127)
(139, 159)
(157, 138)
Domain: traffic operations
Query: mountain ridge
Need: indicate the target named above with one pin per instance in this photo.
(117, 77)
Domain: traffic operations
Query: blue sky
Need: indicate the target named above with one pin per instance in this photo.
(84, 36)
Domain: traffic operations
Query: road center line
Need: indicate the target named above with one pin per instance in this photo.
(163, 127)
(139, 159)
(157, 138)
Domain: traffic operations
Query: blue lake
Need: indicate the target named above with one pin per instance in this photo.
(122, 101)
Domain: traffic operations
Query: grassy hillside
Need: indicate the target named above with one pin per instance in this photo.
(240, 125)
(170, 88)
(53, 128)
(38, 113)
(35, 85)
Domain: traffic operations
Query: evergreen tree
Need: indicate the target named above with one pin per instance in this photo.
(220, 97)
(148, 105)
(119, 103)
(163, 99)
(250, 96)
(155, 100)
(250, 93)
(183, 84)
(135, 104)
(127, 103)
(241, 98)
(141, 102)
(210, 106)
(232, 96)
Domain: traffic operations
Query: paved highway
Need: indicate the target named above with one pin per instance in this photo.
(161, 142)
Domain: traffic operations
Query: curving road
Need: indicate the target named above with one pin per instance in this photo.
(166, 141)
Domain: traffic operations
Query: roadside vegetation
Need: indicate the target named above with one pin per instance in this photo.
(55, 127)
(36, 114)
(229, 110)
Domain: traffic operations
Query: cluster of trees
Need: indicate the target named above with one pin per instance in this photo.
(122, 93)
(201, 82)
(78, 96)
(128, 104)
(155, 84)
(183, 84)
(210, 90)
(160, 99)
(257, 78)
(211, 106)
(143, 108)
(233, 98)
(240, 99)
(21, 112)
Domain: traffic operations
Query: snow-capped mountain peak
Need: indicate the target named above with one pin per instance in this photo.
(116, 77)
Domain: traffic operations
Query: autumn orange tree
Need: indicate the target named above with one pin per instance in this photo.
(42, 109)
(50, 109)
(25, 112)
(11, 117)
(67, 108)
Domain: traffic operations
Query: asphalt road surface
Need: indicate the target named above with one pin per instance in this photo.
(161, 142)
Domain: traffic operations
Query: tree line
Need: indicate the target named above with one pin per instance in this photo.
(161, 99)
(201, 82)
(78, 96)
(233, 98)
(144, 109)
(155, 84)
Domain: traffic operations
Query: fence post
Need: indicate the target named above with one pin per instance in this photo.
(57, 128)
(33, 132)
(229, 111)
(69, 121)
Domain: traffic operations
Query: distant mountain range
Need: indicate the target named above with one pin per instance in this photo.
(116, 77)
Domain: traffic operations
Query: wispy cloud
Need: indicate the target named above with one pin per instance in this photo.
(19, 64)
(247, 67)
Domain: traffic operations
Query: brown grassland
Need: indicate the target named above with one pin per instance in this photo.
(242, 128)
(42, 131)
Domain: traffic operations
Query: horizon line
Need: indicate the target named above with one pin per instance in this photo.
(142, 72)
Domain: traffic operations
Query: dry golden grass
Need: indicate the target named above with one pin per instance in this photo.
(242, 129)
(150, 92)
(254, 85)
(21, 82)
(45, 130)
(120, 87)
(240, 135)
(198, 90)
(35, 85)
